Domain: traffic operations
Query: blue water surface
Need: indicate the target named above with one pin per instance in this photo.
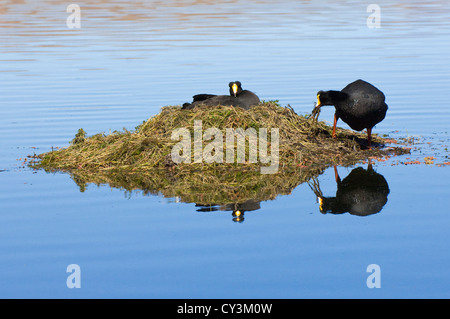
(129, 59)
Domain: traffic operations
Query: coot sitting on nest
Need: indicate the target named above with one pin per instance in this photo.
(237, 97)
(359, 104)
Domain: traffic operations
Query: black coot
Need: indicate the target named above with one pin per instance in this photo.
(359, 104)
(237, 97)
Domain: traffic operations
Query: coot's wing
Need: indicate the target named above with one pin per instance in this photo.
(366, 106)
(225, 100)
(363, 90)
(198, 99)
(248, 99)
(202, 97)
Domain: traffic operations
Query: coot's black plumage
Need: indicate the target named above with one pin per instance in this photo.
(238, 208)
(362, 192)
(360, 104)
(237, 97)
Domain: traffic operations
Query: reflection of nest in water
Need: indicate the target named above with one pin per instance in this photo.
(212, 188)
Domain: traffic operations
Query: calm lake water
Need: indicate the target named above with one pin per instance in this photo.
(130, 58)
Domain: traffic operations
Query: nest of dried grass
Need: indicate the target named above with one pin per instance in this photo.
(302, 141)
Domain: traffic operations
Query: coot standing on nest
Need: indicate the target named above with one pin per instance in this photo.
(359, 104)
(237, 97)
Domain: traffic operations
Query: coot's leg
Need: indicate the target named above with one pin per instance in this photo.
(336, 175)
(336, 118)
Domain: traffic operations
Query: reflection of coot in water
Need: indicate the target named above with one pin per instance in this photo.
(238, 209)
(363, 192)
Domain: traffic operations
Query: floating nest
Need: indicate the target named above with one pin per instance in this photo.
(142, 159)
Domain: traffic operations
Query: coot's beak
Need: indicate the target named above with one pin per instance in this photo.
(238, 216)
(320, 203)
(318, 101)
(234, 87)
